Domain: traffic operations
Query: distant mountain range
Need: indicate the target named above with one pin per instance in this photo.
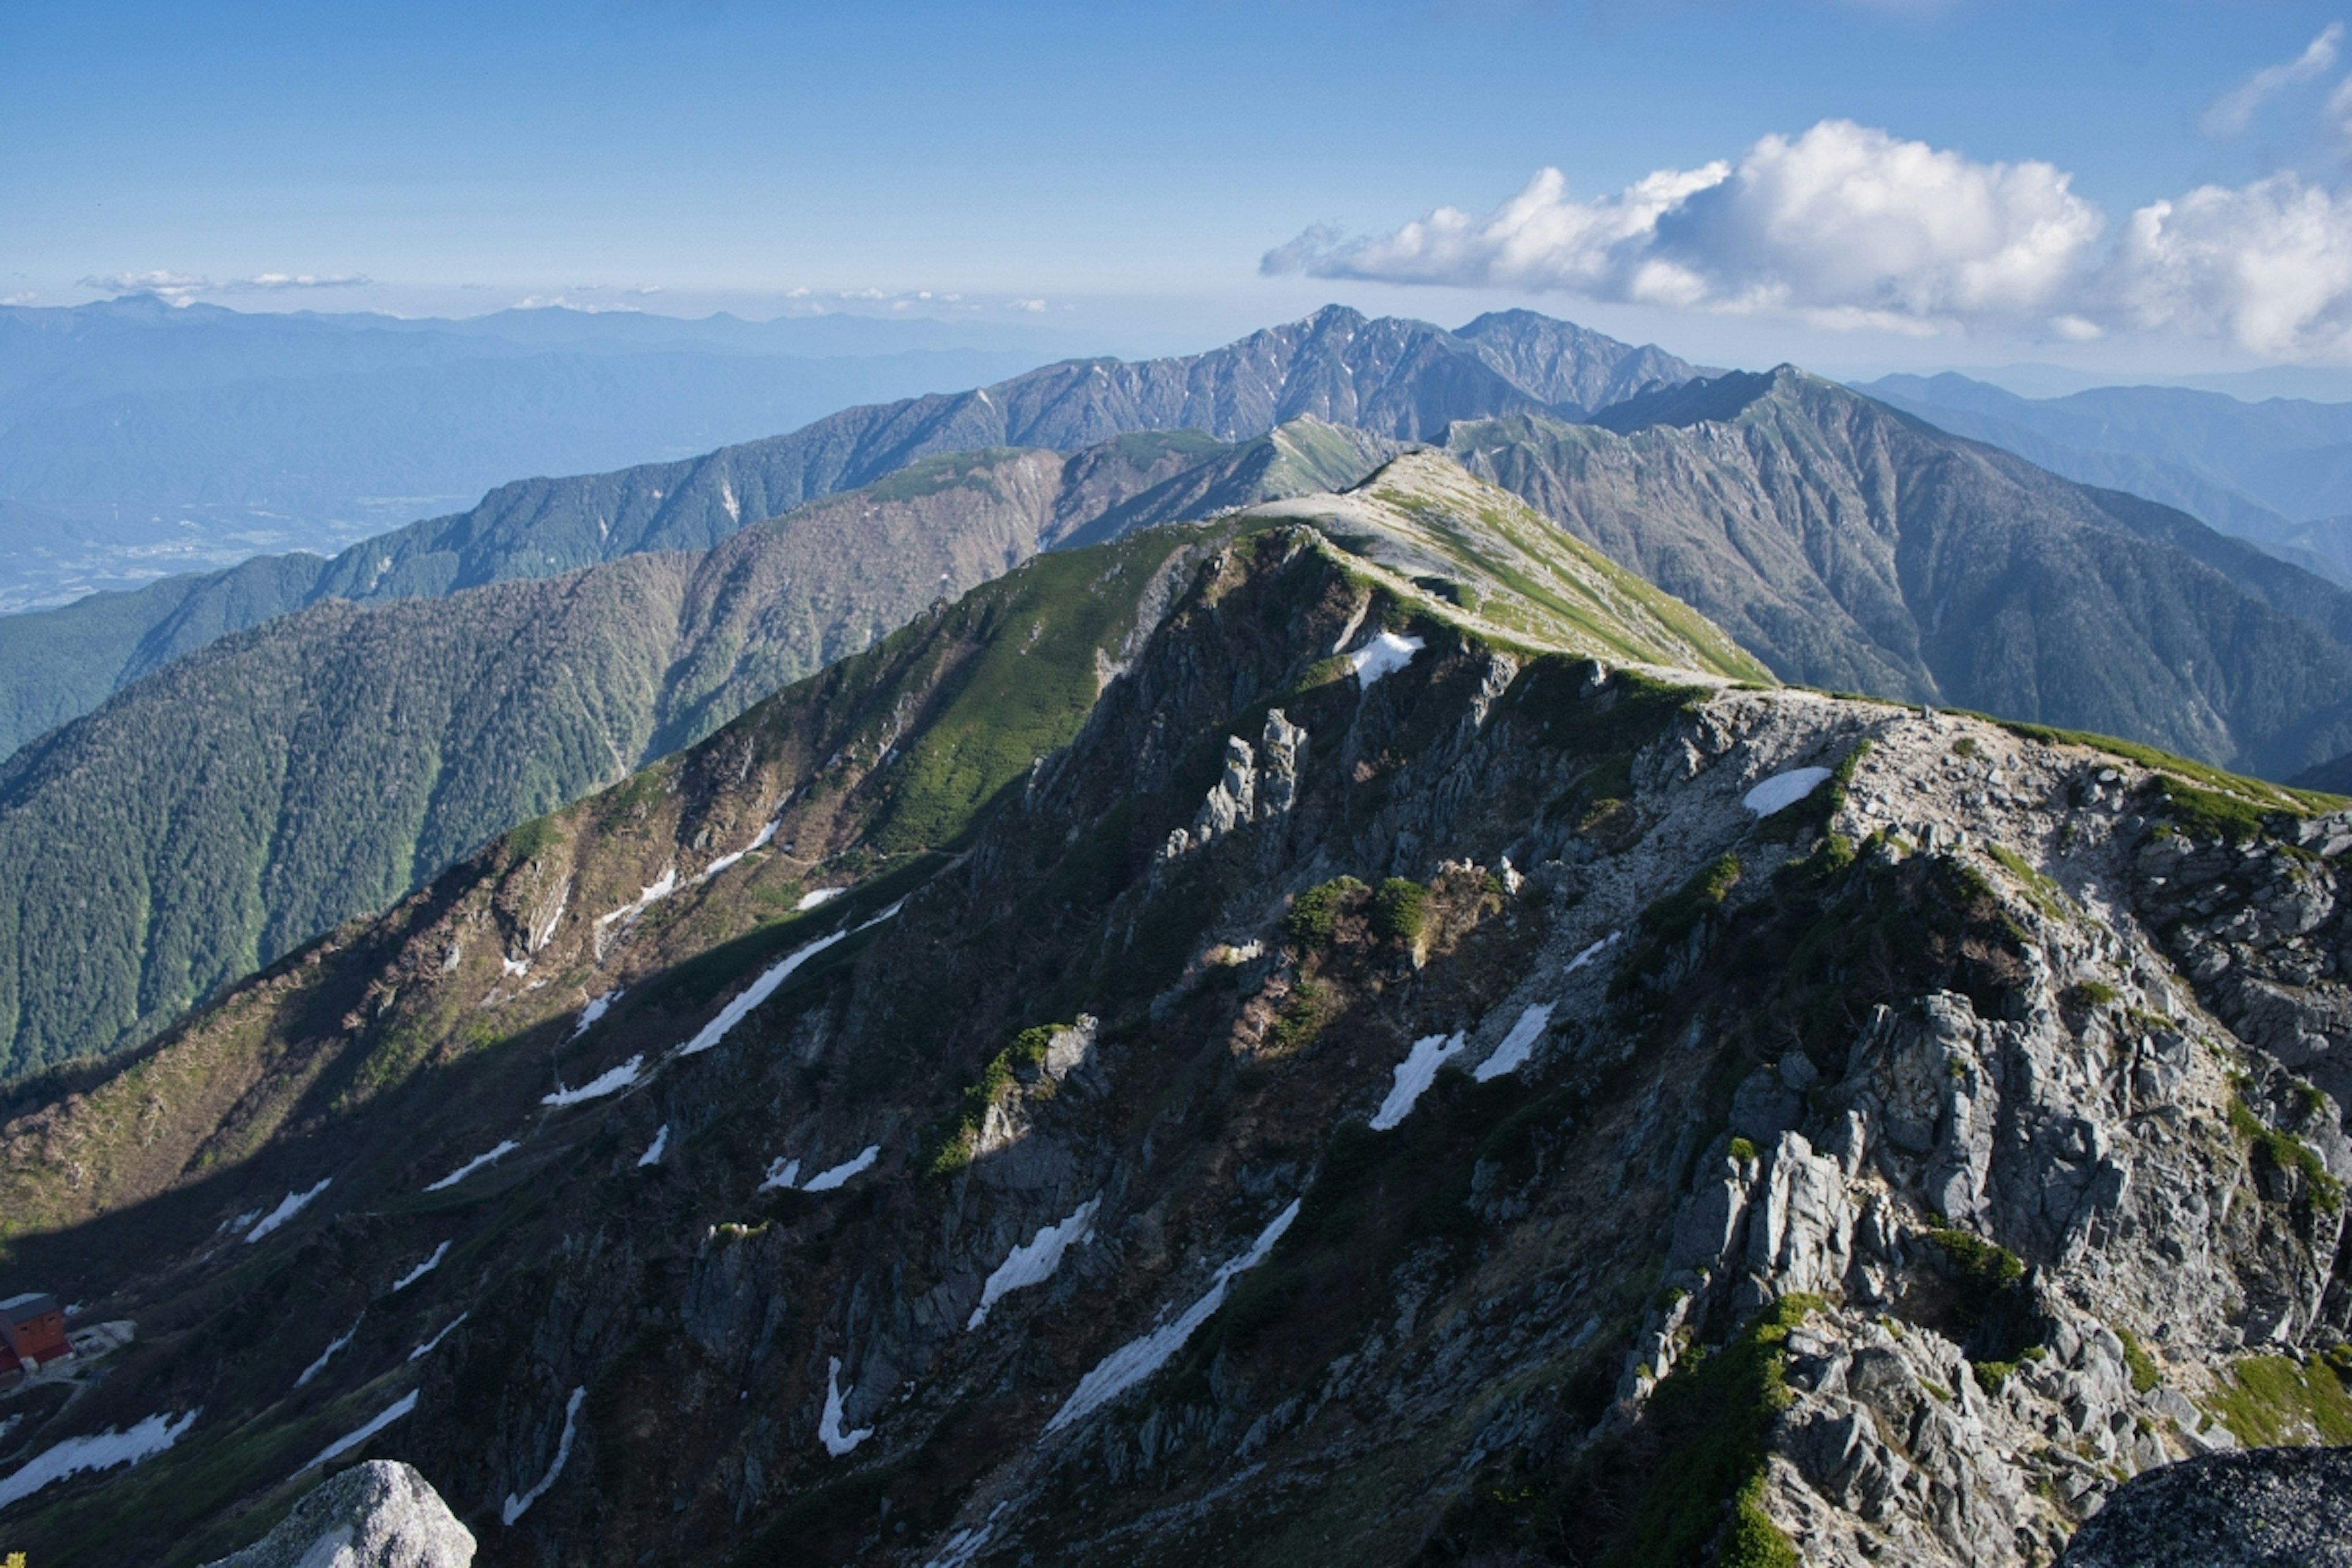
(2278, 472)
(160, 440)
(1399, 379)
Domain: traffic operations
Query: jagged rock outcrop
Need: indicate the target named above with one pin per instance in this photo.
(2267, 1508)
(380, 1514)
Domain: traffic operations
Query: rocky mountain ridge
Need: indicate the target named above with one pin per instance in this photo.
(1364, 1072)
(246, 798)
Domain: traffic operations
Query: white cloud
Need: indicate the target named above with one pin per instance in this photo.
(2230, 114)
(271, 281)
(2268, 266)
(1845, 225)
(176, 287)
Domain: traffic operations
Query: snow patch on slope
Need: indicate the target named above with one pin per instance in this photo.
(506, 1146)
(1784, 790)
(1414, 1075)
(828, 1426)
(422, 1269)
(426, 1349)
(1595, 951)
(1517, 1046)
(1035, 1262)
(597, 1007)
(1139, 1359)
(99, 1451)
(1384, 655)
(752, 996)
(826, 1180)
(516, 1505)
(316, 1367)
(612, 1081)
(350, 1440)
(290, 1205)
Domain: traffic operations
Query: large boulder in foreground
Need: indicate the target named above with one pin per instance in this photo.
(2262, 1508)
(381, 1514)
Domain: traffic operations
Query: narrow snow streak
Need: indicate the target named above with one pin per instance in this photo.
(426, 1349)
(292, 1205)
(652, 1156)
(1595, 951)
(597, 1007)
(506, 1146)
(651, 893)
(828, 1426)
(316, 1367)
(1784, 790)
(422, 1269)
(816, 896)
(1416, 1074)
(99, 1451)
(1034, 1263)
(1139, 1359)
(825, 1180)
(781, 1174)
(1517, 1046)
(612, 1081)
(1384, 655)
(344, 1445)
(515, 1506)
(759, 991)
(758, 842)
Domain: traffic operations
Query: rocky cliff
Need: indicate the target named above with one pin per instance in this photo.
(1345, 1035)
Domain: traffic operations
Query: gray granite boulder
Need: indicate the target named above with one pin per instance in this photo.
(381, 1514)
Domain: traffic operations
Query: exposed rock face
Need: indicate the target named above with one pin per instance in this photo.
(381, 1514)
(1891, 1174)
(2266, 1508)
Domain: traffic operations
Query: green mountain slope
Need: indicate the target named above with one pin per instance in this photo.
(241, 800)
(1396, 379)
(1854, 548)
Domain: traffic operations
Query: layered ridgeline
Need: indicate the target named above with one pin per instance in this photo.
(1245, 1043)
(219, 812)
(1851, 547)
(2278, 472)
(1399, 379)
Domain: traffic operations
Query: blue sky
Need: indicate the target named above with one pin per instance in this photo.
(1131, 167)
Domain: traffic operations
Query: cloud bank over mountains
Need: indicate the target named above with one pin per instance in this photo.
(1848, 227)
